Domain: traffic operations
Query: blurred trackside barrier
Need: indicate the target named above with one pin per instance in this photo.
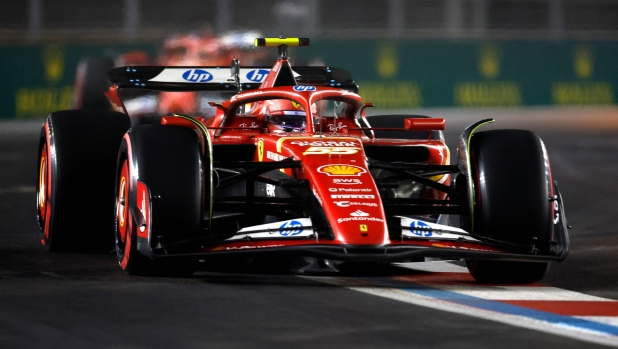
(37, 79)
(443, 73)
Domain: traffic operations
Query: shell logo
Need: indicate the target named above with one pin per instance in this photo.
(341, 170)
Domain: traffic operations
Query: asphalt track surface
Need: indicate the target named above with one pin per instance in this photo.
(54, 300)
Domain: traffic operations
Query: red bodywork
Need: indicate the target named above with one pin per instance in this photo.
(334, 163)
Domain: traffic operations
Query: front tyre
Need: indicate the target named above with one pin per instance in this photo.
(159, 198)
(513, 187)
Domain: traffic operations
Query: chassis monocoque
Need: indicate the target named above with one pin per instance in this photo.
(290, 167)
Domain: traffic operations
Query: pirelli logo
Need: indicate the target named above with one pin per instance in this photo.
(353, 196)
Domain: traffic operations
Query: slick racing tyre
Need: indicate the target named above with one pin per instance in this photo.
(158, 197)
(91, 82)
(512, 180)
(75, 187)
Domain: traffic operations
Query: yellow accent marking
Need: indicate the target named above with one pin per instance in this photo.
(295, 104)
(283, 41)
(489, 61)
(363, 227)
(282, 139)
(342, 170)
(260, 148)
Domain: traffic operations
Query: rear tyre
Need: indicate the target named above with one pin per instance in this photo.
(513, 185)
(91, 82)
(167, 160)
(77, 156)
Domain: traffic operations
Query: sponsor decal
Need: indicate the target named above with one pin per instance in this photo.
(348, 181)
(353, 203)
(274, 156)
(246, 94)
(422, 225)
(359, 213)
(350, 190)
(349, 93)
(363, 228)
(326, 143)
(557, 213)
(253, 125)
(260, 149)
(270, 190)
(350, 219)
(249, 247)
(341, 170)
(331, 151)
(304, 88)
(335, 128)
(457, 247)
(353, 196)
(257, 75)
(197, 75)
(288, 225)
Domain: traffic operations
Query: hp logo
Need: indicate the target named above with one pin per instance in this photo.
(197, 75)
(257, 75)
(291, 224)
(304, 88)
(419, 224)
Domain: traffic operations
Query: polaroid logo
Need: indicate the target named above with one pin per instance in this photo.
(197, 75)
(353, 196)
(350, 190)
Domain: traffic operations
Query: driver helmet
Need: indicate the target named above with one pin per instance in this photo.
(286, 114)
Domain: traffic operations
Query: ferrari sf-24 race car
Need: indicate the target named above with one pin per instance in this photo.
(290, 167)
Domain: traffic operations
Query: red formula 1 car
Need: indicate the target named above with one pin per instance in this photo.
(290, 167)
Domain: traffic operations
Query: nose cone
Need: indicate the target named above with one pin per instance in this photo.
(349, 197)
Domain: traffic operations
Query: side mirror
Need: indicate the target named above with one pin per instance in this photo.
(424, 124)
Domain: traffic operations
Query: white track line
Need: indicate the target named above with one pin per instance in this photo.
(595, 329)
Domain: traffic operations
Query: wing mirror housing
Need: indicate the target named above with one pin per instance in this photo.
(424, 124)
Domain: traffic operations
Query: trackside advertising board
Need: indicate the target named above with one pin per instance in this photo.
(37, 79)
(442, 73)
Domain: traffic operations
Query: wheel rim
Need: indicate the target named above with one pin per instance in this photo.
(43, 193)
(123, 238)
(121, 204)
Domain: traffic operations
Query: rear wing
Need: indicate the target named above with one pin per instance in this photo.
(220, 79)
